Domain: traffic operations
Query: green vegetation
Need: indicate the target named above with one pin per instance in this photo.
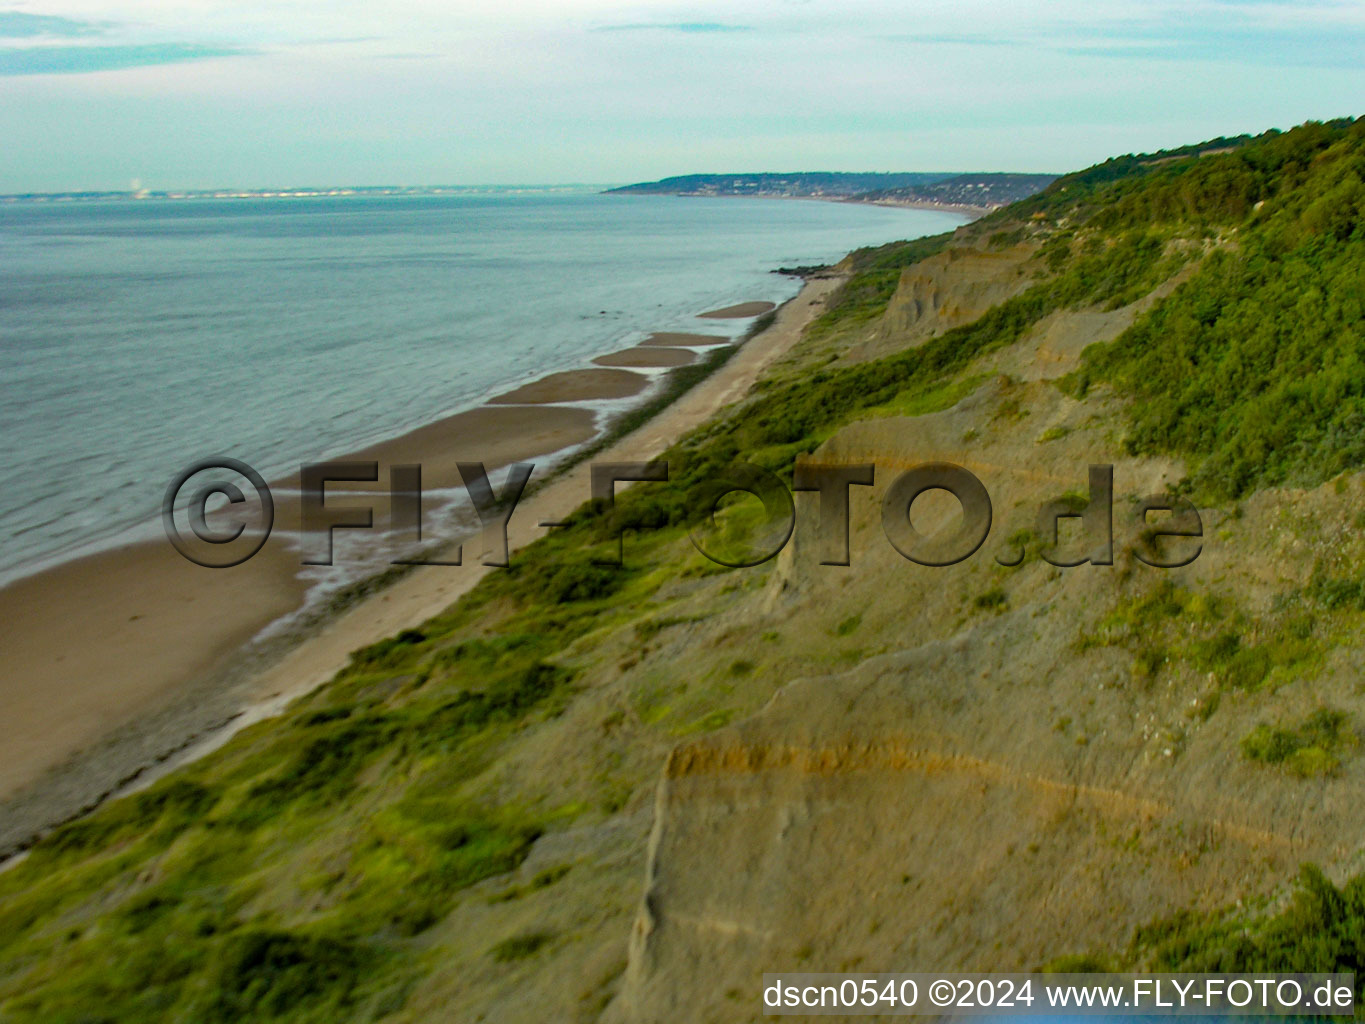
(1313, 747)
(1168, 625)
(264, 974)
(1318, 931)
(299, 864)
(848, 625)
(1335, 593)
(933, 398)
(519, 947)
(1252, 368)
(1098, 189)
(994, 599)
(790, 418)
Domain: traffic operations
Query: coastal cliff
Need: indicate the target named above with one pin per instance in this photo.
(587, 793)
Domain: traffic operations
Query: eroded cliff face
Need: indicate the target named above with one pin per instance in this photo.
(985, 802)
(951, 288)
(992, 779)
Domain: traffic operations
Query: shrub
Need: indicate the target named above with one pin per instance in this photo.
(324, 768)
(519, 947)
(848, 625)
(1251, 368)
(1311, 748)
(160, 813)
(388, 653)
(994, 599)
(1317, 932)
(555, 577)
(263, 974)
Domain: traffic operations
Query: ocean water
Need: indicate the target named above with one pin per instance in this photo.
(136, 337)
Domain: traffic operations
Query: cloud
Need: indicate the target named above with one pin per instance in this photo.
(76, 60)
(20, 25)
(49, 54)
(1231, 37)
(1250, 44)
(930, 39)
(676, 26)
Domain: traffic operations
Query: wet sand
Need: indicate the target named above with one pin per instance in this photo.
(648, 357)
(739, 311)
(495, 436)
(575, 386)
(90, 644)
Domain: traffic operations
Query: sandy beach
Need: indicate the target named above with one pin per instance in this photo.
(648, 357)
(966, 209)
(160, 667)
(495, 436)
(739, 311)
(113, 660)
(93, 643)
(576, 386)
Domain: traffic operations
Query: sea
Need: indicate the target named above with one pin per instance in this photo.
(137, 336)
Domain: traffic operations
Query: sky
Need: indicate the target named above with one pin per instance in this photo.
(98, 94)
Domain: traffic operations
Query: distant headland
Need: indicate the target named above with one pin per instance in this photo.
(970, 192)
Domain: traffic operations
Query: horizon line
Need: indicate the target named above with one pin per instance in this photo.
(305, 191)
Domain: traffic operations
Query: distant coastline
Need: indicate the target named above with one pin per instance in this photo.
(960, 209)
(292, 192)
(966, 209)
(973, 194)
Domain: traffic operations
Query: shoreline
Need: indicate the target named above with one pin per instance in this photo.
(134, 738)
(965, 209)
(168, 649)
(962, 209)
